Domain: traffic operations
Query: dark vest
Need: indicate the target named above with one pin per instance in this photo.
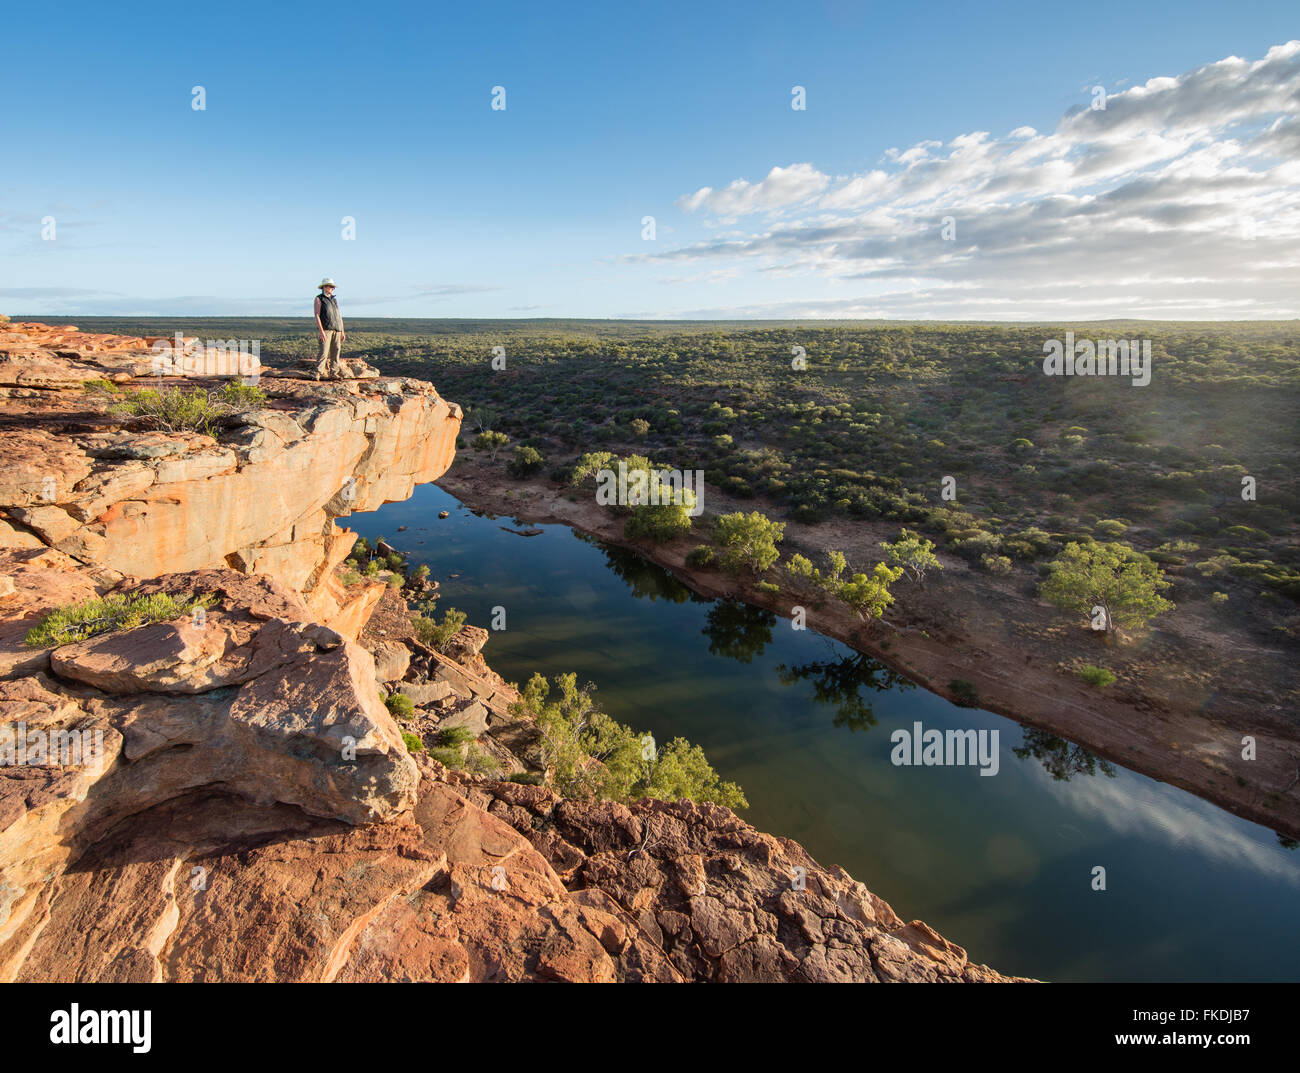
(329, 313)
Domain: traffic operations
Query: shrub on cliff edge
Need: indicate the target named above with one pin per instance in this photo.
(179, 409)
(117, 611)
(437, 635)
(589, 755)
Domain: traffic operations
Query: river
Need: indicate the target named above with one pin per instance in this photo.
(1004, 865)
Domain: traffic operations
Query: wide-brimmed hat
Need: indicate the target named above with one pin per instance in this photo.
(326, 282)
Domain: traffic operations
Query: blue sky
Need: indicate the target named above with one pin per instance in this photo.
(1180, 198)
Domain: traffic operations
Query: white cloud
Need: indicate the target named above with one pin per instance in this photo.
(782, 187)
(1180, 199)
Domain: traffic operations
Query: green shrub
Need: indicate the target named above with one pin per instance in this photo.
(77, 622)
(1028, 544)
(660, 522)
(913, 553)
(589, 465)
(749, 541)
(175, 409)
(1246, 532)
(575, 732)
(399, 705)
(1096, 676)
(100, 387)
(527, 461)
(241, 397)
(489, 441)
(768, 587)
(977, 545)
(412, 742)
(700, 555)
(801, 566)
(998, 565)
(1219, 598)
(349, 577)
(454, 737)
(435, 634)
(479, 762)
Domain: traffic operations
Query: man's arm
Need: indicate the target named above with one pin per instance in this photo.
(316, 308)
(342, 332)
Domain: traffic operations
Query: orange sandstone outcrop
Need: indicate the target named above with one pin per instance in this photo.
(260, 497)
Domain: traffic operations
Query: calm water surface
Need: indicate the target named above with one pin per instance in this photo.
(1001, 865)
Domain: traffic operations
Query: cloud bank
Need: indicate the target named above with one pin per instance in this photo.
(1177, 198)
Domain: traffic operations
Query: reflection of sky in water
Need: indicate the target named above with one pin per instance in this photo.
(1135, 806)
(1001, 865)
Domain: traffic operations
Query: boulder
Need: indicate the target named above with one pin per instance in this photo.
(422, 693)
(473, 717)
(391, 662)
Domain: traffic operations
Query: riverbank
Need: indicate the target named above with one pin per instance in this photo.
(1020, 656)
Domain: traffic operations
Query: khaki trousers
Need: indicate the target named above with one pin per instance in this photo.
(329, 362)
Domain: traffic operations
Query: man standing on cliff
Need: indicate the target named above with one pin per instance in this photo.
(329, 323)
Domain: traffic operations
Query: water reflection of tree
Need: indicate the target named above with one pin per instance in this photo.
(1060, 758)
(841, 681)
(738, 631)
(643, 577)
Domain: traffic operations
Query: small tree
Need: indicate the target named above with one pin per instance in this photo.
(1122, 582)
(667, 514)
(585, 753)
(589, 465)
(914, 554)
(868, 594)
(492, 442)
(661, 522)
(801, 566)
(681, 770)
(484, 417)
(749, 540)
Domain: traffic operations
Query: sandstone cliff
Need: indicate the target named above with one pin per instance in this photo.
(251, 811)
